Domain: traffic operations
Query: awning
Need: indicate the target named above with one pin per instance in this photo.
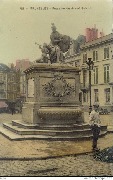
(3, 104)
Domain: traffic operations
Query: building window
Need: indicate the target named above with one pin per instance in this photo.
(106, 53)
(107, 94)
(84, 77)
(95, 75)
(95, 55)
(106, 74)
(84, 58)
(96, 95)
(85, 97)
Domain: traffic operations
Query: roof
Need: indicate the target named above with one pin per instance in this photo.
(99, 41)
(4, 67)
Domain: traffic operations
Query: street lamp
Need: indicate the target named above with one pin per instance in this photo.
(90, 64)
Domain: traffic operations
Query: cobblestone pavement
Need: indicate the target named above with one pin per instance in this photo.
(33, 158)
(82, 165)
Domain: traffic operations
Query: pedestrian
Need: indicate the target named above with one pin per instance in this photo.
(95, 125)
(12, 110)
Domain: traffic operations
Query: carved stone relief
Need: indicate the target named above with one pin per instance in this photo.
(58, 87)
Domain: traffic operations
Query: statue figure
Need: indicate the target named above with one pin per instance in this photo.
(55, 36)
(45, 53)
(56, 54)
(53, 52)
(57, 39)
(50, 53)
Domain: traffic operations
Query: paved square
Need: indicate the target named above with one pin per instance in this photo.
(51, 158)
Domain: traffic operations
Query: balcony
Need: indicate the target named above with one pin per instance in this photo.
(84, 87)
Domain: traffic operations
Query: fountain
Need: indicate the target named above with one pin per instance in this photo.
(52, 95)
(52, 109)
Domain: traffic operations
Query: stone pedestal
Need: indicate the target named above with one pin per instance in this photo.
(52, 109)
(52, 95)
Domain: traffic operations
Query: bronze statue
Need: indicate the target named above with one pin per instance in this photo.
(62, 41)
(50, 53)
(44, 58)
(53, 52)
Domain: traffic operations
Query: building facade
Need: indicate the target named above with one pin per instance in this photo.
(101, 52)
(3, 81)
(13, 85)
(3, 85)
(9, 83)
(21, 66)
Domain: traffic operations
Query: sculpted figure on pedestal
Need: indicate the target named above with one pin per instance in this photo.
(60, 42)
(53, 52)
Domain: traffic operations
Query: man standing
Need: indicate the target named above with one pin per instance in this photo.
(95, 125)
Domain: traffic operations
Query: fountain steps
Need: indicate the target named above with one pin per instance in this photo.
(13, 136)
(49, 126)
(22, 131)
(18, 130)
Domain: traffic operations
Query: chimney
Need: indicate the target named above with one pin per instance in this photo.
(88, 34)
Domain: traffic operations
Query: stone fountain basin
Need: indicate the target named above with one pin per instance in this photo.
(60, 114)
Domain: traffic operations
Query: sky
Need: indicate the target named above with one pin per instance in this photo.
(24, 22)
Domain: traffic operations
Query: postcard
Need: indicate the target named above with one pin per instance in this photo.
(56, 88)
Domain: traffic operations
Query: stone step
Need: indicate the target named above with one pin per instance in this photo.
(23, 131)
(13, 136)
(77, 138)
(21, 124)
(71, 133)
(54, 127)
(67, 127)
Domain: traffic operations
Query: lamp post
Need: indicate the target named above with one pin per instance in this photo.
(90, 64)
